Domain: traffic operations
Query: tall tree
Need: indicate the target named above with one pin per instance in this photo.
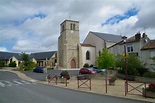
(25, 58)
(105, 59)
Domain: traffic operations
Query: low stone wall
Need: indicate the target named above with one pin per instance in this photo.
(136, 78)
(144, 79)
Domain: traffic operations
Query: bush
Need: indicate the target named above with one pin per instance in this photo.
(65, 74)
(91, 65)
(2, 64)
(29, 67)
(12, 64)
(149, 74)
(86, 65)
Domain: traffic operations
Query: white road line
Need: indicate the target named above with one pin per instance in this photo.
(17, 82)
(25, 82)
(9, 83)
(2, 85)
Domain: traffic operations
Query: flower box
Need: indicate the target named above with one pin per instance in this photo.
(149, 94)
(149, 91)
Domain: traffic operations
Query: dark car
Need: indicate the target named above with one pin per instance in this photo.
(98, 70)
(86, 71)
(40, 70)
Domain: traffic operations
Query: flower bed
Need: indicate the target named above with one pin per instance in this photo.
(149, 91)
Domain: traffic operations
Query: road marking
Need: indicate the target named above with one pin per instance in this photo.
(2, 85)
(25, 82)
(9, 83)
(17, 82)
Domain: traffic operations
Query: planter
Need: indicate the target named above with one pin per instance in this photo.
(149, 94)
(111, 82)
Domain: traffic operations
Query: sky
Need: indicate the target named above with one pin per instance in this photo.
(34, 25)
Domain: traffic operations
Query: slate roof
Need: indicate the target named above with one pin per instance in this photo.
(150, 45)
(108, 37)
(42, 55)
(8, 55)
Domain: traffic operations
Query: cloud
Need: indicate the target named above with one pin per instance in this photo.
(35, 26)
(3, 49)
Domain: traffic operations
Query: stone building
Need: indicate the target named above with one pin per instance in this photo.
(72, 54)
(69, 49)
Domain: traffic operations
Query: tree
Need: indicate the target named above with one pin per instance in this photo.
(133, 63)
(25, 58)
(105, 60)
(27, 64)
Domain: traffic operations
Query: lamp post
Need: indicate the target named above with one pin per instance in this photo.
(125, 61)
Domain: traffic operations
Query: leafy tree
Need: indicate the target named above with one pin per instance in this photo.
(105, 59)
(133, 63)
(25, 58)
(27, 65)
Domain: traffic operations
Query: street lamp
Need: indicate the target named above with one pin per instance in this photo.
(125, 60)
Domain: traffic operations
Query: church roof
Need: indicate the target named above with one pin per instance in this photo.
(108, 37)
(87, 45)
(8, 55)
(42, 55)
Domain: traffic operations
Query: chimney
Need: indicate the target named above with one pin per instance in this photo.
(144, 35)
(138, 36)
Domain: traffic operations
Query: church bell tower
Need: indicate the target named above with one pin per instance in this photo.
(69, 49)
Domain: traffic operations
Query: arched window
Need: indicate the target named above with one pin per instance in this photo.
(87, 55)
(73, 26)
(99, 53)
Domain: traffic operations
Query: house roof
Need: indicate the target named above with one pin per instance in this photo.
(42, 55)
(87, 45)
(108, 37)
(150, 45)
(8, 55)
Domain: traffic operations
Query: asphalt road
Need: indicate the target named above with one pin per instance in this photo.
(42, 76)
(17, 91)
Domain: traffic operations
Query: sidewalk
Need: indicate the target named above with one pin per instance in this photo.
(97, 86)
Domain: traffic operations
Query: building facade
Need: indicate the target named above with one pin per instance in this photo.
(69, 49)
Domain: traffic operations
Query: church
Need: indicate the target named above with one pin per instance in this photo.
(73, 54)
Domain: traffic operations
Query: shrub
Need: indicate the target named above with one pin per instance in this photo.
(151, 87)
(86, 65)
(2, 64)
(91, 65)
(12, 64)
(65, 74)
(149, 74)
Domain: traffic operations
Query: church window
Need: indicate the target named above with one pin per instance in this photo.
(72, 26)
(87, 55)
(99, 53)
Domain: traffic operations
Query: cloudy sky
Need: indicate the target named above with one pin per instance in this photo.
(34, 25)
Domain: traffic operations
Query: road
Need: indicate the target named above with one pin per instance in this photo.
(16, 90)
(42, 76)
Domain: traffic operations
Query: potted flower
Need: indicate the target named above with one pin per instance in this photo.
(149, 91)
(112, 80)
(64, 75)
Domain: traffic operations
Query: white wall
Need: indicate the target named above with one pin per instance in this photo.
(92, 55)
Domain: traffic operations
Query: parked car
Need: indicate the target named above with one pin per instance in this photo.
(86, 71)
(40, 69)
(98, 70)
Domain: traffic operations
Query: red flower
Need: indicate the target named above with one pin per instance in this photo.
(151, 85)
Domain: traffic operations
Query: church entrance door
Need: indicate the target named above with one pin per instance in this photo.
(73, 63)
